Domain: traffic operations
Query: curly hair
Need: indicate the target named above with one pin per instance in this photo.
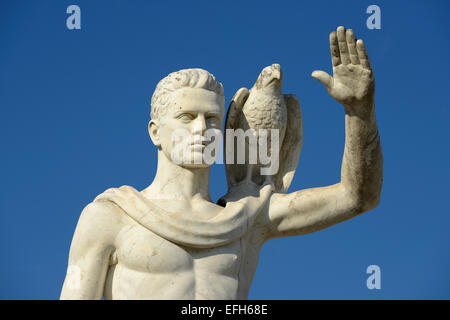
(190, 78)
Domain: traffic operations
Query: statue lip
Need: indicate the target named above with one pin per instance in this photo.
(200, 142)
(199, 145)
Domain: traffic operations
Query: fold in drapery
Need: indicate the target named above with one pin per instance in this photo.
(231, 224)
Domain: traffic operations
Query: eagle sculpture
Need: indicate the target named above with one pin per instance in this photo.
(264, 106)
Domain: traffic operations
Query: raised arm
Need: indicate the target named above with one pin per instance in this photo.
(92, 245)
(359, 190)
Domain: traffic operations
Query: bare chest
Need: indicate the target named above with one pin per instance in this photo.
(143, 250)
(163, 269)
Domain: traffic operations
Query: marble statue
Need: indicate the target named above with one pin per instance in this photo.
(169, 241)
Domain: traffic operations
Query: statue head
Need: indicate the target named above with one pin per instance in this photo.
(270, 76)
(190, 102)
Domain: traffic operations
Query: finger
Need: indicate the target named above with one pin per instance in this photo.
(334, 49)
(362, 54)
(351, 44)
(343, 48)
(323, 77)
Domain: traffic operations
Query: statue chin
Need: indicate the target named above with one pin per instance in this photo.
(196, 166)
(195, 160)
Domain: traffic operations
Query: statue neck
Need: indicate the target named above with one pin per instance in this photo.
(179, 183)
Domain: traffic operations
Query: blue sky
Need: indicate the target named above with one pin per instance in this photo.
(75, 106)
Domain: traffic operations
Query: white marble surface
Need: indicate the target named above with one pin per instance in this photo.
(169, 241)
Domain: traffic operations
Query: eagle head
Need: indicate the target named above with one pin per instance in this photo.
(270, 76)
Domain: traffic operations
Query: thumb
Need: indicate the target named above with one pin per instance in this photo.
(323, 77)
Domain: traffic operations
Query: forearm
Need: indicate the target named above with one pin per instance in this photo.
(314, 209)
(362, 165)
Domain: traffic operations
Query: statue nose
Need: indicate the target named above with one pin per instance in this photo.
(200, 124)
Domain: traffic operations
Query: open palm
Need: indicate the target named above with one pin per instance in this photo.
(352, 82)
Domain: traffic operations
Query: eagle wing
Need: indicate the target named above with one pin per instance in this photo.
(235, 172)
(291, 147)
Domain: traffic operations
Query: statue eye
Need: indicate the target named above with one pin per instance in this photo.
(185, 117)
(213, 120)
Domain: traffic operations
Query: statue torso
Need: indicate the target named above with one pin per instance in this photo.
(147, 266)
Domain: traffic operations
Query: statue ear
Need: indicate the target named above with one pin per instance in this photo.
(153, 131)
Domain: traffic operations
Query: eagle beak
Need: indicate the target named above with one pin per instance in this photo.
(276, 74)
(276, 71)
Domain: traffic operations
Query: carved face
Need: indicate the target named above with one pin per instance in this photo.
(183, 131)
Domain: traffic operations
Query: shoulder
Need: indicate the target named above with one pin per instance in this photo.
(101, 213)
(99, 224)
(108, 206)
